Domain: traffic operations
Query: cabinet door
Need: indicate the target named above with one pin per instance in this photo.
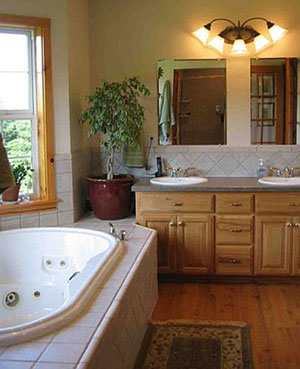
(296, 246)
(165, 225)
(195, 244)
(273, 245)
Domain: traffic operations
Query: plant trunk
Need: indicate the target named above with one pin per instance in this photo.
(110, 165)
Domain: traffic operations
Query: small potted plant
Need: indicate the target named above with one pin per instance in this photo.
(11, 195)
(114, 110)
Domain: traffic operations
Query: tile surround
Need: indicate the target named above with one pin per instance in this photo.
(109, 334)
(70, 173)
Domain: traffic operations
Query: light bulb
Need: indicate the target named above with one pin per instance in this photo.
(277, 32)
(260, 43)
(239, 47)
(202, 34)
(217, 43)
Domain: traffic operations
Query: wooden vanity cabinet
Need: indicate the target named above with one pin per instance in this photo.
(224, 233)
(185, 232)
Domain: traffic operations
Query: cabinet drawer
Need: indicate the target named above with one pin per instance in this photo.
(234, 203)
(232, 230)
(234, 260)
(287, 203)
(176, 202)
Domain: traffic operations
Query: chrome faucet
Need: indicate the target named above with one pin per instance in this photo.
(113, 232)
(175, 172)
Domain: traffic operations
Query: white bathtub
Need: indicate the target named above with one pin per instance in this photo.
(48, 276)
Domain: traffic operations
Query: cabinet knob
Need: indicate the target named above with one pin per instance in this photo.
(294, 204)
(229, 261)
(235, 204)
(235, 230)
(180, 224)
(177, 203)
(171, 224)
(289, 224)
(297, 224)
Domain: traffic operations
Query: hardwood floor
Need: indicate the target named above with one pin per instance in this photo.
(272, 312)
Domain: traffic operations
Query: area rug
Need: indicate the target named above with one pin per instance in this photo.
(195, 345)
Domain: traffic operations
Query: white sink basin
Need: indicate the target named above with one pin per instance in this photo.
(178, 181)
(280, 181)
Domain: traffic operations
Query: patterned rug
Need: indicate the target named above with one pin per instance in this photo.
(195, 345)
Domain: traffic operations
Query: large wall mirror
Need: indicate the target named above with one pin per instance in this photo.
(275, 101)
(191, 102)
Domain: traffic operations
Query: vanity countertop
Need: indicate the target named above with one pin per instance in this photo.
(214, 184)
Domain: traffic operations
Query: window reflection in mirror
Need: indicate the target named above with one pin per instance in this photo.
(191, 102)
(275, 101)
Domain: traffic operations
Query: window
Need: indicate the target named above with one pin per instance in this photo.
(18, 117)
(26, 105)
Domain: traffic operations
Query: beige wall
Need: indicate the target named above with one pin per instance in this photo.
(78, 38)
(129, 36)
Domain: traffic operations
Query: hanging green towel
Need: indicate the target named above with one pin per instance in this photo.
(133, 156)
(6, 176)
(166, 114)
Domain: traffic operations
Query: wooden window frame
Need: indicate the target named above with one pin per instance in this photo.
(47, 198)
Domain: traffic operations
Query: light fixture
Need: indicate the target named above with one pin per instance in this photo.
(239, 35)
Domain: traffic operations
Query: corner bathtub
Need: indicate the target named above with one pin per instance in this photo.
(48, 276)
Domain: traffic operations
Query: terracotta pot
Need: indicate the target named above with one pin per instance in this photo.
(110, 199)
(11, 194)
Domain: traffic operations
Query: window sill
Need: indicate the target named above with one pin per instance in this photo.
(27, 207)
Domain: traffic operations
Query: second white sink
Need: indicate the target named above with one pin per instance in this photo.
(280, 181)
(178, 181)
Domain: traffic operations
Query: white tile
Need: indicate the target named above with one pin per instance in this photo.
(62, 353)
(66, 201)
(15, 364)
(26, 351)
(74, 335)
(48, 219)
(11, 223)
(87, 319)
(63, 166)
(28, 221)
(53, 366)
(65, 217)
(64, 182)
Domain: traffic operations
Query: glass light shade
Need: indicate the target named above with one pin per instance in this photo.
(260, 43)
(202, 34)
(217, 43)
(277, 32)
(239, 47)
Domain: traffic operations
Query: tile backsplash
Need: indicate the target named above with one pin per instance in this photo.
(211, 161)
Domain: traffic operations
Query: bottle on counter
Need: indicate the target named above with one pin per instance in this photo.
(262, 170)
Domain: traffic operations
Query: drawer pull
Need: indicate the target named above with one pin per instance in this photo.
(235, 230)
(171, 224)
(177, 203)
(235, 204)
(297, 224)
(229, 261)
(294, 204)
(289, 224)
(180, 224)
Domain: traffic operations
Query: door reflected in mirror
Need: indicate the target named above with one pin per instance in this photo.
(191, 102)
(275, 101)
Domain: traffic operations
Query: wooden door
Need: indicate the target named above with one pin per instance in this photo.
(199, 104)
(273, 245)
(165, 225)
(195, 244)
(296, 246)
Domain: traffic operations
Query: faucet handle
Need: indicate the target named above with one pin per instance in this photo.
(112, 229)
(295, 171)
(186, 172)
(275, 172)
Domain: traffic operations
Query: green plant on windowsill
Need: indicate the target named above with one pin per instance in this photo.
(20, 172)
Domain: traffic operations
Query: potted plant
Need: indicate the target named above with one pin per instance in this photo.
(114, 110)
(11, 195)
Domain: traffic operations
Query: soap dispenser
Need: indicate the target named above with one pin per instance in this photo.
(262, 169)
